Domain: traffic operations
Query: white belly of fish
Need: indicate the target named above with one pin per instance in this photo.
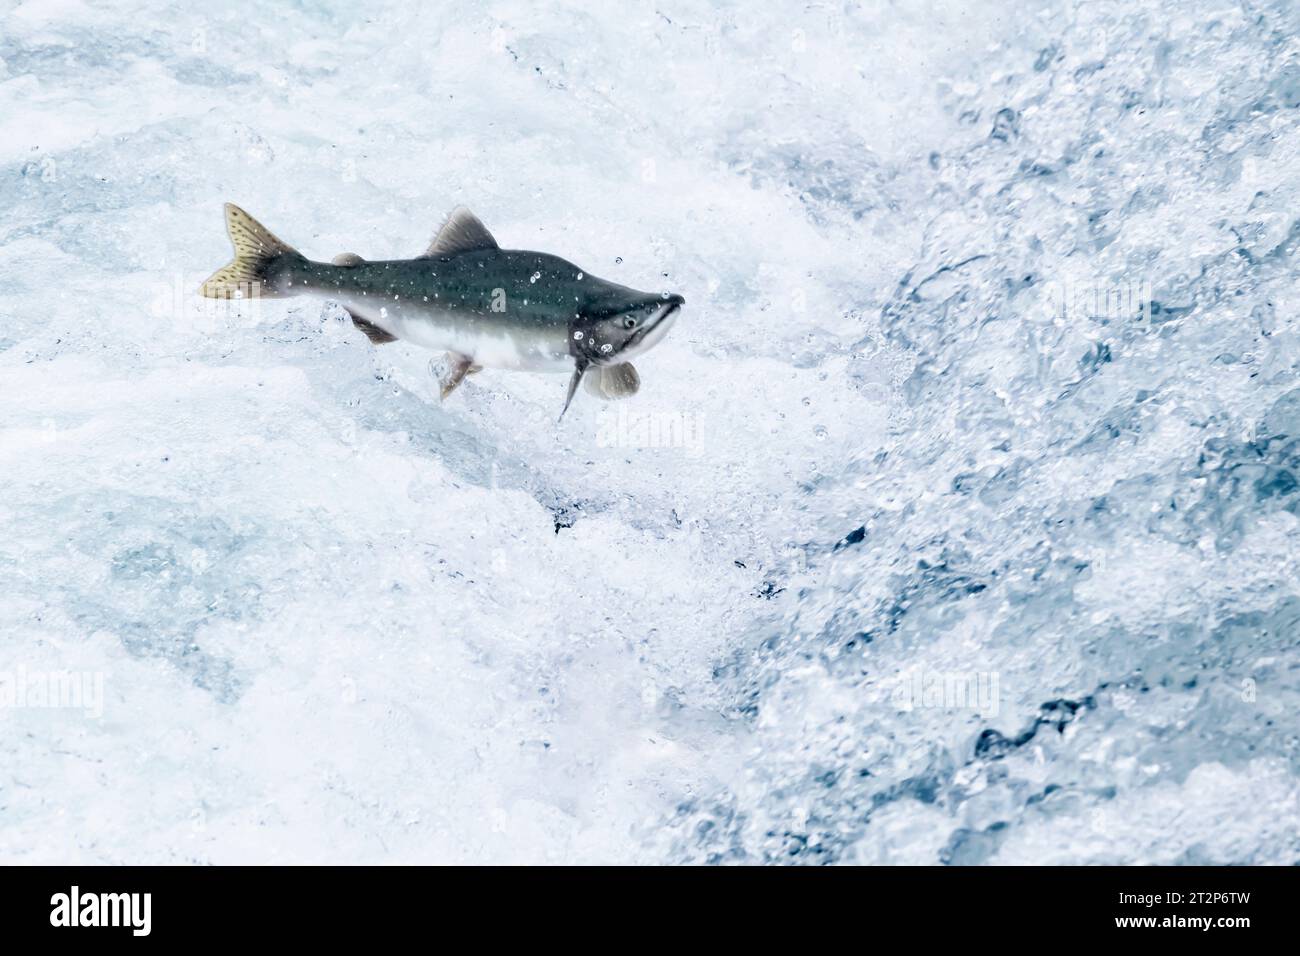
(488, 345)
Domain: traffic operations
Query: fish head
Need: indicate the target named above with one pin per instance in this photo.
(616, 328)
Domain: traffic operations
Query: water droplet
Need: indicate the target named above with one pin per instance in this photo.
(535, 276)
(577, 335)
(821, 432)
(579, 276)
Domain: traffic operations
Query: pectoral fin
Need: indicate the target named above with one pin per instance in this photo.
(578, 372)
(613, 381)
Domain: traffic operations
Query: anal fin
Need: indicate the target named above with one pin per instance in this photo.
(374, 333)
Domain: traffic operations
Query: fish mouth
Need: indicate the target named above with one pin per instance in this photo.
(654, 328)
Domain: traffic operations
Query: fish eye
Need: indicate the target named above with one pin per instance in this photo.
(629, 323)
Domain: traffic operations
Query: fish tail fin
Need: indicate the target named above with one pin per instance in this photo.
(256, 249)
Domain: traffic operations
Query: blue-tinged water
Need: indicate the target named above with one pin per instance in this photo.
(956, 521)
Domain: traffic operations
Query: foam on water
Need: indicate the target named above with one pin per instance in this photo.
(956, 519)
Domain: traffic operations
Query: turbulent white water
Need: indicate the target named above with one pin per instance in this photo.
(956, 520)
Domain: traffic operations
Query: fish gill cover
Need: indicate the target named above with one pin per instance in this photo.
(955, 522)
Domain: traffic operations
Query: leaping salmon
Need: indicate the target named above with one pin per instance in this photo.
(487, 307)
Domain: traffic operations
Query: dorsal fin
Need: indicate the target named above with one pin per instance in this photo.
(347, 259)
(462, 232)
